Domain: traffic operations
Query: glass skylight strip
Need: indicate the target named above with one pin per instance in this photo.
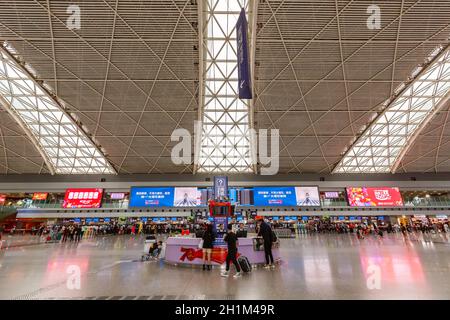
(383, 144)
(64, 146)
(225, 141)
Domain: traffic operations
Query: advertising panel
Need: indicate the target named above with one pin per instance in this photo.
(374, 197)
(2, 199)
(187, 197)
(274, 196)
(40, 196)
(307, 196)
(151, 197)
(165, 197)
(83, 198)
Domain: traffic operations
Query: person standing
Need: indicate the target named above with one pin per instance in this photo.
(265, 231)
(208, 239)
(231, 240)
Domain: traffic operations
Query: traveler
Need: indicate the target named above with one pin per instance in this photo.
(265, 231)
(208, 239)
(231, 240)
(241, 233)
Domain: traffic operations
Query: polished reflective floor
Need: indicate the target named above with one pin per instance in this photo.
(312, 267)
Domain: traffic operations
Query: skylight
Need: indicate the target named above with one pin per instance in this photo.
(64, 146)
(225, 145)
(383, 144)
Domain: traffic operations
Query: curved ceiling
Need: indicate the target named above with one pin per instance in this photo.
(131, 73)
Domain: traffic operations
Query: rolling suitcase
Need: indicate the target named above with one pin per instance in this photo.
(244, 264)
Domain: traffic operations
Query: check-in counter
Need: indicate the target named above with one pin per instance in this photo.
(186, 251)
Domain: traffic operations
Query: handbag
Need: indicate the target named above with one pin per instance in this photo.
(200, 244)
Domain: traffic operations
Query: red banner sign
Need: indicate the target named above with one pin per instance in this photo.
(40, 196)
(83, 198)
(374, 197)
(2, 199)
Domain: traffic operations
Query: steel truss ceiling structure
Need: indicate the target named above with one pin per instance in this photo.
(137, 70)
(225, 142)
(64, 146)
(380, 148)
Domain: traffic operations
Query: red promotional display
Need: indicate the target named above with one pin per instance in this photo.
(83, 198)
(2, 199)
(40, 196)
(374, 197)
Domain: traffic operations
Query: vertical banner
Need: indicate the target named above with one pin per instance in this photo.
(220, 187)
(220, 225)
(245, 91)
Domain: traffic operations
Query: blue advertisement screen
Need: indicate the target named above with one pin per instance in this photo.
(173, 219)
(151, 197)
(155, 219)
(144, 219)
(107, 220)
(274, 196)
(164, 197)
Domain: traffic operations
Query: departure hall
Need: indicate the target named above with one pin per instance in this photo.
(224, 150)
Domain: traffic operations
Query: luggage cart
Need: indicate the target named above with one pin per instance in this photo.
(149, 241)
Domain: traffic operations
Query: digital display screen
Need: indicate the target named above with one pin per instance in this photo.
(83, 198)
(286, 196)
(165, 197)
(374, 197)
(274, 196)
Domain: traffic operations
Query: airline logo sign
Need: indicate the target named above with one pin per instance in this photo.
(83, 198)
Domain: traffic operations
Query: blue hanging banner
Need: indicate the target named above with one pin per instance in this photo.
(245, 90)
(220, 187)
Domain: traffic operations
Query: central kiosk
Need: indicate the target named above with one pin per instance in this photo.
(185, 250)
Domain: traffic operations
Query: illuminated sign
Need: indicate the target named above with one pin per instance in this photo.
(374, 197)
(164, 197)
(83, 198)
(117, 195)
(40, 196)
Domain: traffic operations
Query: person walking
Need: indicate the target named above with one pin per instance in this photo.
(231, 240)
(208, 239)
(265, 231)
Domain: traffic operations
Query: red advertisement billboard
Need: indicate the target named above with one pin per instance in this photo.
(83, 198)
(2, 199)
(374, 197)
(40, 196)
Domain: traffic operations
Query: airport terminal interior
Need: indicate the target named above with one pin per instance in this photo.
(224, 150)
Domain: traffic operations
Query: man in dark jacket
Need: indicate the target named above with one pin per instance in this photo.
(265, 231)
